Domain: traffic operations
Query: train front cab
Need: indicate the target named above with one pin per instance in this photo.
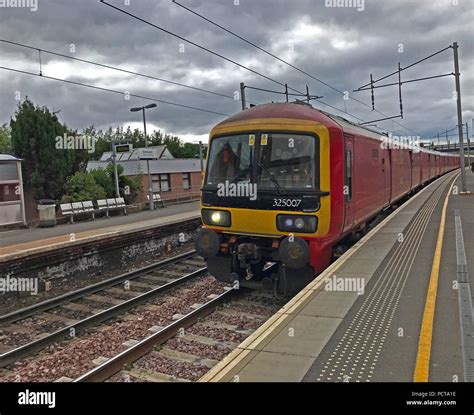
(289, 163)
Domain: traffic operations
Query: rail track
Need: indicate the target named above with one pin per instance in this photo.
(32, 328)
(116, 364)
(181, 335)
(190, 346)
(184, 348)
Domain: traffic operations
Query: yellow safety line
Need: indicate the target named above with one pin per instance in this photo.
(422, 367)
(234, 358)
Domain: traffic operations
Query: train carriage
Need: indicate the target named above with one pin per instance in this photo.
(285, 183)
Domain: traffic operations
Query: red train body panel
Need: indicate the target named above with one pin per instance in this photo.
(378, 170)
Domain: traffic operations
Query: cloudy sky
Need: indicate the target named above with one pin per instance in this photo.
(338, 45)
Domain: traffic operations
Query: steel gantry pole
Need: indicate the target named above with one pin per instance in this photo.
(242, 96)
(150, 186)
(460, 123)
(468, 145)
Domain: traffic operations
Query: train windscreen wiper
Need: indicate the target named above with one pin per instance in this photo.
(272, 179)
(241, 175)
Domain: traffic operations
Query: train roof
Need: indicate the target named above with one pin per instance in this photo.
(303, 111)
(282, 110)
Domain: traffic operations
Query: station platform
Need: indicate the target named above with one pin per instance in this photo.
(23, 242)
(397, 306)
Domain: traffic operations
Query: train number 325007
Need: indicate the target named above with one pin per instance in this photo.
(286, 202)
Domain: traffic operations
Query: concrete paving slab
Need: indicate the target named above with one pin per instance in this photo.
(303, 336)
(359, 266)
(275, 367)
(121, 222)
(330, 304)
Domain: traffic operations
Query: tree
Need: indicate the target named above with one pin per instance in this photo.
(45, 167)
(5, 140)
(104, 140)
(104, 178)
(82, 186)
(129, 187)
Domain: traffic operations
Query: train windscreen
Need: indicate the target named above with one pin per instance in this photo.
(274, 161)
(287, 161)
(230, 158)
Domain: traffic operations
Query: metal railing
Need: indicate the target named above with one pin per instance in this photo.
(177, 194)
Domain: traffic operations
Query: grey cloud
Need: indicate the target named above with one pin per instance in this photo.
(102, 34)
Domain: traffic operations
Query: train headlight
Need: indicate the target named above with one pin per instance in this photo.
(299, 223)
(216, 217)
(296, 223)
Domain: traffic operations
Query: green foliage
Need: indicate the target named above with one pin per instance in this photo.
(50, 171)
(104, 178)
(33, 138)
(5, 140)
(133, 184)
(82, 186)
(129, 187)
(175, 145)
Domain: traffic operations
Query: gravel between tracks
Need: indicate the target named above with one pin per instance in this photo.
(75, 358)
(68, 284)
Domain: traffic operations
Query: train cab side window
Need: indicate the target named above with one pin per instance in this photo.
(348, 184)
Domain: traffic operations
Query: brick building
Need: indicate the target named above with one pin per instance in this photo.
(174, 179)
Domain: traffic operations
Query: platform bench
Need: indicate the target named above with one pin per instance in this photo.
(157, 200)
(111, 204)
(77, 208)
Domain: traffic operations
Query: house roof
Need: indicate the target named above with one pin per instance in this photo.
(135, 167)
(163, 153)
(8, 157)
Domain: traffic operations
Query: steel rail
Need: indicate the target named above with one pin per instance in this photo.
(72, 330)
(90, 289)
(117, 363)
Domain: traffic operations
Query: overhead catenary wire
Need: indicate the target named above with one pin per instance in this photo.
(408, 66)
(372, 82)
(292, 66)
(277, 92)
(129, 72)
(113, 91)
(116, 68)
(195, 44)
(254, 45)
(218, 55)
(443, 133)
(156, 78)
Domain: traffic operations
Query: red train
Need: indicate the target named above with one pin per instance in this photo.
(318, 179)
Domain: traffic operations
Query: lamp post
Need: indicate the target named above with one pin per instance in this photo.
(150, 187)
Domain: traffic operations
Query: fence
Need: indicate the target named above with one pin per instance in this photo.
(178, 194)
